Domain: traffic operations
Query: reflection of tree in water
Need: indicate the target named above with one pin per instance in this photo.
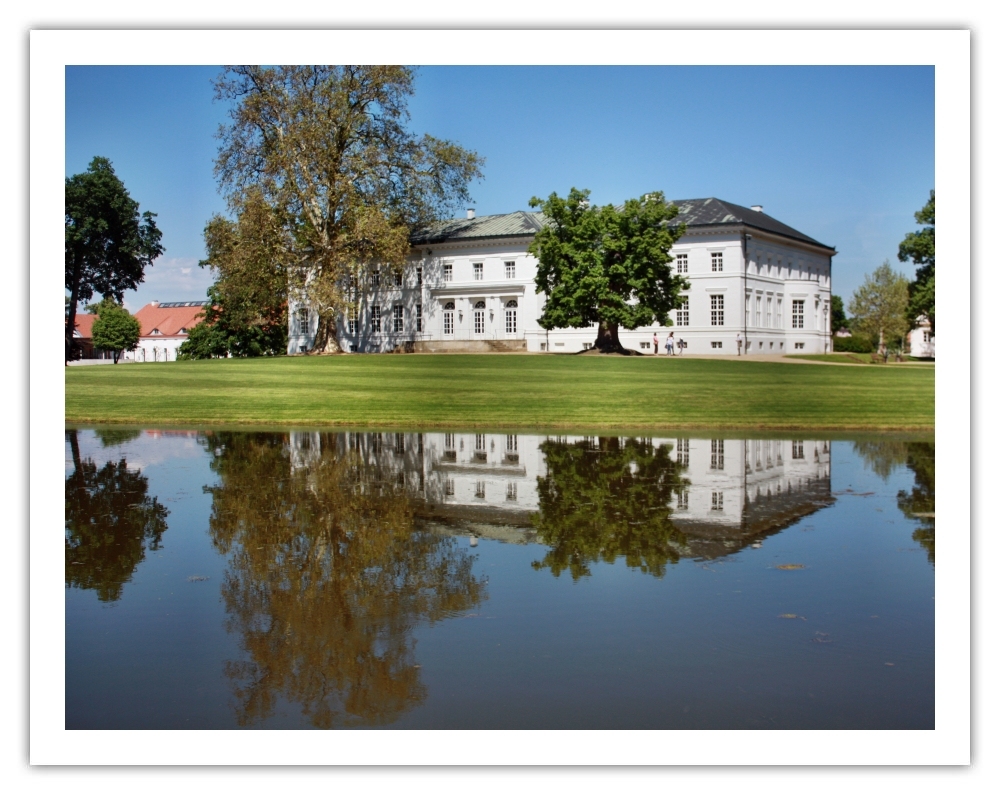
(110, 522)
(110, 437)
(327, 580)
(885, 455)
(919, 502)
(606, 499)
(882, 456)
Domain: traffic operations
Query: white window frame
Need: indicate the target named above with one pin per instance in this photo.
(477, 271)
(684, 312)
(448, 271)
(682, 263)
(510, 269)
(397, 318)
(798, 313)
(717, 303)
(419, 309)
(717, 262)
(376, 319)
(756, 315)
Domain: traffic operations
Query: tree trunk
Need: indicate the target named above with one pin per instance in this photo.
(71, 316)
(607, 340)
(326, 337)
(74, 445)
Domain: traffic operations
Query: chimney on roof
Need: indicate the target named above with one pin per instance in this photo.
(154, 303)
(757, 208)
(470, 213)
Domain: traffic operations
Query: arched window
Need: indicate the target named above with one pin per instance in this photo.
(510, 316)
(449, 318)
(479, 317)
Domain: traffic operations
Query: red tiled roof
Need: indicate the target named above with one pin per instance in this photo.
(84, 324)
(169, 320)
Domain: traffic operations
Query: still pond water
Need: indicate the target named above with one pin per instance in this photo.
(470, 580)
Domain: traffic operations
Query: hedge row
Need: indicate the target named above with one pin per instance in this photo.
(853, 344)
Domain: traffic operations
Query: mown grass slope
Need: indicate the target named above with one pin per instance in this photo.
(543, 392)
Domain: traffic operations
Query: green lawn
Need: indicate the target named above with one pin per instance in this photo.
(856, 358)
(503, 391)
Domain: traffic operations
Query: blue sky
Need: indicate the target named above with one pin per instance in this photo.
(844, 154)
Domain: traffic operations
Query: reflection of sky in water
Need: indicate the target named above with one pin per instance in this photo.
(673, 620)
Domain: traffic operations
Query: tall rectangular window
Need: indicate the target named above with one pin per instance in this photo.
(448, 271)
(397, 278)
(717, 501)
(683, 452)
(757, 313)
(682, 263)
(769, 303)
(352, 322)
(746, 310)
(477, 271)
(512, 492)
(508, 268)
(302, 321)
(419, 310)
(718, 455)
(683, 313)
(778, 320)
(718, 318)
(798, 450)
(375, 278)
(420, 276)
(798, 313)
(716, 262)
(376, 319)
(397, 318)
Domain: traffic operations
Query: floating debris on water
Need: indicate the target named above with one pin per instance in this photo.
(197, 578)
(790, 566)
(791, 615)
(822, 637)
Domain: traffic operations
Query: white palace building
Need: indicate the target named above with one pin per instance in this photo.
(469, 285)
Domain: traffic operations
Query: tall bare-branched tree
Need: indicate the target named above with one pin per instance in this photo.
(328, 149)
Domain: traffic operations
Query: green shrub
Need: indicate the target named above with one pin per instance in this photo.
(853, 344)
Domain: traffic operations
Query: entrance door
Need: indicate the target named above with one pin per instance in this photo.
(479, 318)
(510, 318)
(449, 319)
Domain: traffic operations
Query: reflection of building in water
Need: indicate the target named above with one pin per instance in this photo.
(744, 489)
(486, 484)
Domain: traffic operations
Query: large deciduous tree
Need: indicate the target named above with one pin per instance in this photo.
(327, 149)
(918, 247)
(108, 243)
(606, 265)
(115, 329)
(879, 306)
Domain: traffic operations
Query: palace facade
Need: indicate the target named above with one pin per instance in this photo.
(469, 285)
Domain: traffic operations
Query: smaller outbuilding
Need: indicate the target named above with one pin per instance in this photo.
(921, 339)
(163, 328)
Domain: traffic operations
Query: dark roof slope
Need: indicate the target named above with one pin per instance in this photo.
(715, 212)
(516, 224)
(692, 212)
